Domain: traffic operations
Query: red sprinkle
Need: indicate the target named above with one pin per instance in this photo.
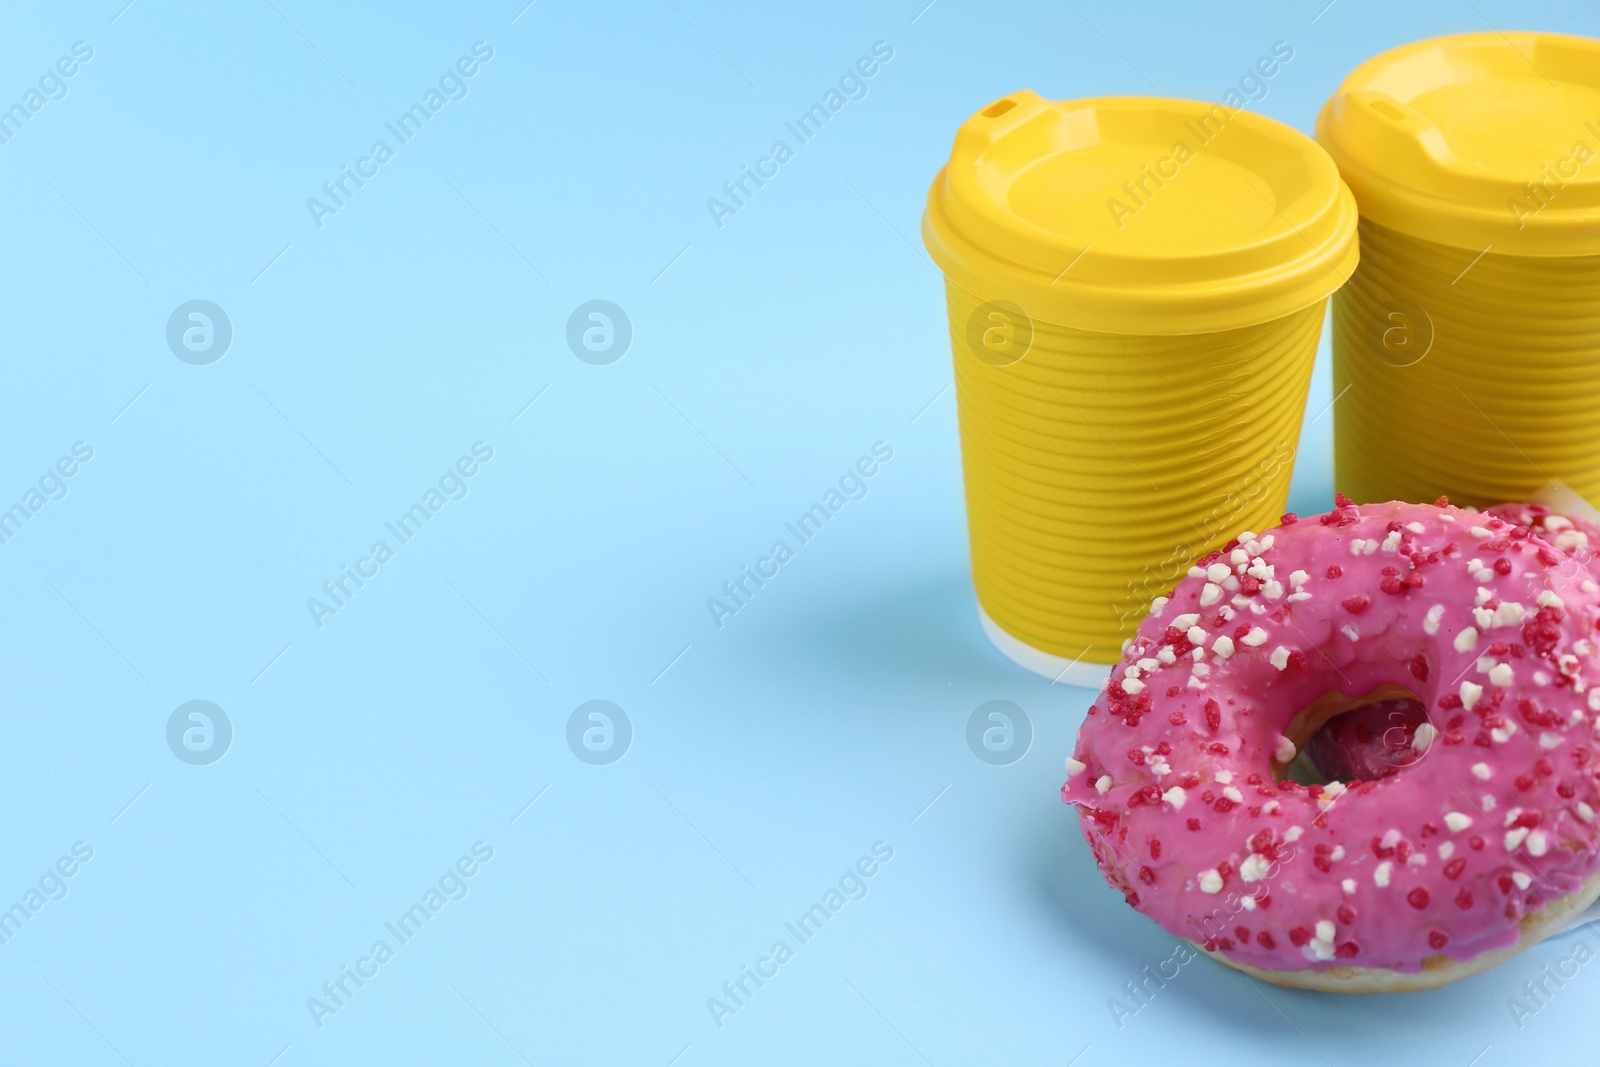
(1299, 936)
(1355, 605)
(1417, 898)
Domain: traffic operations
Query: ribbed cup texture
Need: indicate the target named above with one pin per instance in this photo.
(1466, 375)
(1099, 466)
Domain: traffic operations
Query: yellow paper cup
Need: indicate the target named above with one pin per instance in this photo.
(1135, 289)
(1467, 345)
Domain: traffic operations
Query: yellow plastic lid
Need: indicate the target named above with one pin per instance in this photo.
(1481, 139)
(1140, 215)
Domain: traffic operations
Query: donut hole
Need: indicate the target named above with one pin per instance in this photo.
(1339, 738)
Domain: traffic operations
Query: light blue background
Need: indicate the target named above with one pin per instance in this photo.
(371, 753)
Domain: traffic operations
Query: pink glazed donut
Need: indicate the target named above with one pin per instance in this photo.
(1457, 836)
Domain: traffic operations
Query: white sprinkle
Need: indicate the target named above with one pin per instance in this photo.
(1488, 802)
(1416, 527)
(1210, 881)
(1202, 669)
(1356, 546)
(1196, 635)
(1349, 630)
(1284, 750)
(1548, 599)
(1210, 595)
(1572, 541)
(1262, 569)
(1318, 949)
(1293, 833)
(1219, 572)
(1295, 598)
(1509, 613)
(1479, 531)
(1280, 660)
(1337, 854)
(1254, 868)
(1538, 843)
(1424, 736)
(1248, 903)
(1482, 771)
(1074, 766)
(1522, 879)
(1256, 637)
(1324, 930)
(1392, 542)
(1470, 692)
(1165, 655)
(1483, 617)
(1541, 677)
(1195, 683)
(1222, 646)
(1147, 665)
(1103, 783)
(1501, 734)
(1589, 587)
(1430, 623)
(1585, 812)
(1380, 877)
(1197, 571)
(1457, 821)
(1297, 579)
(1348, 885)
(1548, 740)
(1370, 547)
(1186, 620)
(1132, 686)
(1514, 838)
(1176, 797)
(1157, 604)
(1568, 664)
(1224, 777)
(1466, 640)
(1233, 794)
(1482, 596)
(1390, 839)
(1271, 808)
(1557, 522)
(1486, 664)
(1226, 613)
(1447, 850)
(1239, 557)
(1272, 590)
(1159, 765)
(1501, 675)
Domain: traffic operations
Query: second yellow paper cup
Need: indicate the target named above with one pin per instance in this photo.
(1466, 349)
(1135, 287)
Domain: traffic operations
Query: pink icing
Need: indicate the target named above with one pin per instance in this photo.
(1494, 819)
